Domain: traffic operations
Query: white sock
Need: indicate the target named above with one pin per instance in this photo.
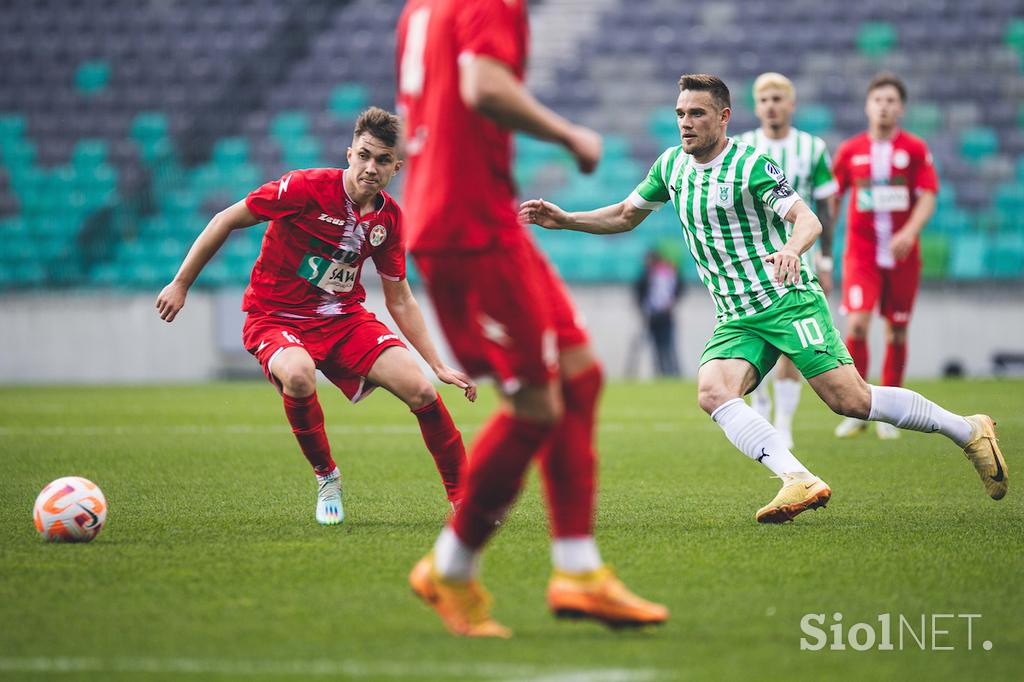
(333, 473)
(761, 400)
(756, 437)
(908, 410)
(453, 558)
(787, 397)
(575, 555)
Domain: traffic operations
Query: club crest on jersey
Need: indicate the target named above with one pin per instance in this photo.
(377, 235)
(723, 197)
(900, 158)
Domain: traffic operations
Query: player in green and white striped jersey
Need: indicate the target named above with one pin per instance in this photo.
(805, 160)
(736, 208)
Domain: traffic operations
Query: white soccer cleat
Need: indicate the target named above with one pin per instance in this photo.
(329, 511)
(887, 431)
(850, 427)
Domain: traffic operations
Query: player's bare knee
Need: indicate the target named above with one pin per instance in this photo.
(423, 395)
(855, 402)
(298, 380)
(896, 334)
(541, 405)
(711, 396)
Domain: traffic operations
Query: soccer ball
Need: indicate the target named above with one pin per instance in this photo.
(70, 509)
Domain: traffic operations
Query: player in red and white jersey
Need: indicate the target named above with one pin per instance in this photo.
(304, 301)
(893, 185)
(503, 308)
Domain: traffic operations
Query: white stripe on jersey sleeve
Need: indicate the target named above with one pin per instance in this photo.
(638, 201)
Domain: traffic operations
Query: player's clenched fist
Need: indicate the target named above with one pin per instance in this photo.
(171, 300)
(543, 213)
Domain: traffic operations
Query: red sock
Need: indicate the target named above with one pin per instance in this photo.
(895, 363)
(859, 352)
(445, 444)
(307, 420)
(494, 474)
(569, 461)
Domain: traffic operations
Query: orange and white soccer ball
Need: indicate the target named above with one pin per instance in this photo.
(70, 509)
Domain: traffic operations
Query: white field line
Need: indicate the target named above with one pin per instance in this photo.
(251, 429)
(324, 667)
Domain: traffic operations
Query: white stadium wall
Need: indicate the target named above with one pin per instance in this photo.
(118, 338)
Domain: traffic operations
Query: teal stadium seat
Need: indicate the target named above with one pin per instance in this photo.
(289, 125)
(347, 101)
(1015, 37)
(923, 119)
(875, 39)
(969, 260)
(1005, 257)
(815, 119)
(92, 77)
(978, 143)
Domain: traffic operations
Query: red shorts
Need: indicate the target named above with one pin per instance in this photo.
(866, 285)
(344, 347)
(505, 312)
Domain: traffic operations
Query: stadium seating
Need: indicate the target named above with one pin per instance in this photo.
(118, 141)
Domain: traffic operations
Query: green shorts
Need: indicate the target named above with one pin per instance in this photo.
(799, 326)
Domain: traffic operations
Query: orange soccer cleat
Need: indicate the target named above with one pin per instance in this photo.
(601, 596)
(464, 607)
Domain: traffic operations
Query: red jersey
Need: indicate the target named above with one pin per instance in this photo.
(460, 194)
(887, 176)
(313, 252)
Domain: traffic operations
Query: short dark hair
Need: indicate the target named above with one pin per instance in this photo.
(379, 123)
(887, 78)
(703, 82)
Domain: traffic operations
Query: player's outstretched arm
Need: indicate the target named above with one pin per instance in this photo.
(806, 228)
(406, 312)
(620, 217)
(209, 241)
(489, 87)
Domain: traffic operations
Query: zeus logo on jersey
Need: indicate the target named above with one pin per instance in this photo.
(331, 219)
(384, 337)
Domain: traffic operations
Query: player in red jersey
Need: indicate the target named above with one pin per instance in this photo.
(304, 301)
(893, 185)
(503, 308)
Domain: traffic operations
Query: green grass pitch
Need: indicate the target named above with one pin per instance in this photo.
(211, 565)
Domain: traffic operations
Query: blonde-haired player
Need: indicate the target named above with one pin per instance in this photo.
(805, 162)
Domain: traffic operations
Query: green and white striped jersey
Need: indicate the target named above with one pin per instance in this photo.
(803, 158)
(731, 209)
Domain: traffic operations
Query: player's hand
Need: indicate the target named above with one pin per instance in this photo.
(543, 213)
(585, 145)
(171, 300)
(901, 245)
(457, 378)
(787, 265)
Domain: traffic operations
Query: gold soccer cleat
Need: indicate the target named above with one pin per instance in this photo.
(464, 607)
(601, 596)
(850, 427)
(983, 452)
(799, 493)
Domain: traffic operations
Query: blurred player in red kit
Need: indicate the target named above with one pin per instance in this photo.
(503, 308)
(304, 301)
(893, 185)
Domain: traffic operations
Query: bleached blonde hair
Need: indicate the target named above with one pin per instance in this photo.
(771, 79)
